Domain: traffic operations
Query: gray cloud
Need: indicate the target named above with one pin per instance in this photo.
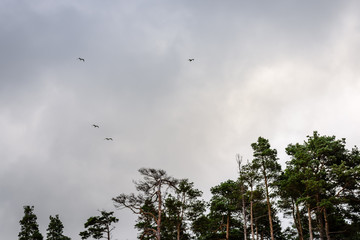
(277, 70)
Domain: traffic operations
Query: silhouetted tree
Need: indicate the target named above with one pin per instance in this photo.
(99, 226)
(29, 226)
(152, 191)
(55, 229)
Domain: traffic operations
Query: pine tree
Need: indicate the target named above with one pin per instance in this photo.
(99, 226)
(55, 229)
(225, 204)
(152, 190)
(250, 178)
(265, 161)
(329, 174)
(184, 207)
(29, 226)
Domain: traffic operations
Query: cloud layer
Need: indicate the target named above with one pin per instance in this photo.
(278, 70)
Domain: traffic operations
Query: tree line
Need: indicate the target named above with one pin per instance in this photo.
(318, 189)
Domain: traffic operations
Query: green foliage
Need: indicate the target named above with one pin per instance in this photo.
(55, 229)
(99, 226)
(182, 208)
(153, 188)
(265, 159)
(225, 198)
(145, 222)
(29, 226)
(224, 210)
(324, 175)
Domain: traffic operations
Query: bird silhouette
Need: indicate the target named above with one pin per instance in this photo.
(191, 59)
(81, 59)
(95, 126)
(108, 139)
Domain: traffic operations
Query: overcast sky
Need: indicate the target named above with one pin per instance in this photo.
(276, 69)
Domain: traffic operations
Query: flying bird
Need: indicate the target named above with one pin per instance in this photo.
(95, 126)
(191, 59)
(81, 59)
(108, 139)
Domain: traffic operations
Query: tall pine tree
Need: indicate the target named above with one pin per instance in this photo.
(153, 188)
(55, 229)
(29, 227)
(265, 161)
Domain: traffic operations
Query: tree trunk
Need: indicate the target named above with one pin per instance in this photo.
(178, 227)
(294, 217)
(158, 236)
(326, 225)
(108, 231)
(244, 212)
(310, 226)
(301, 235)
(297, 220)
(268, 204)
(319, 218)
(251, 215)
(257, 230)
(320, 225)
(183, 200)
(227, 226)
